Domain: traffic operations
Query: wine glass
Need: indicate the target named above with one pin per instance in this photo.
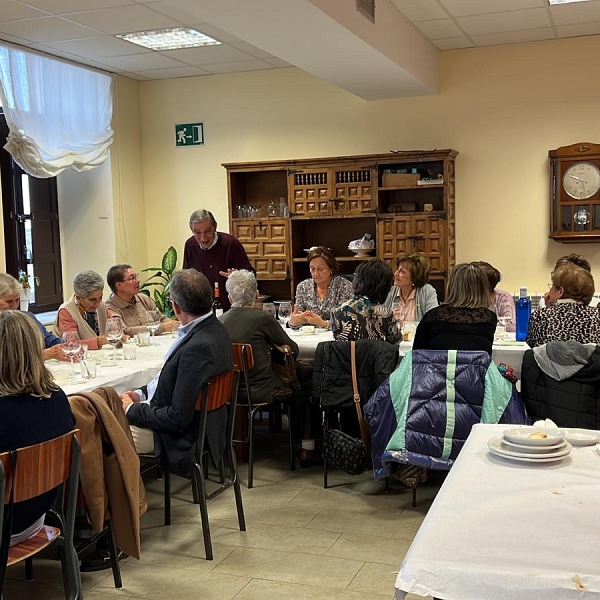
(71, 345)
(503, 321)
(269, 307)
(398, 312)
(113, 333)
(285, 312)
(153, 323)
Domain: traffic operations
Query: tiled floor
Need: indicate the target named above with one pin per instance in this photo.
(302, 542)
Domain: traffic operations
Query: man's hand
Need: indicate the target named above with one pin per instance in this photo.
(55, 352)
(227, 273)
(128, 399)
(135, 397)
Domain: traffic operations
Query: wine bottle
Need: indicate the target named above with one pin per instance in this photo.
(523, 314)
(217, 307)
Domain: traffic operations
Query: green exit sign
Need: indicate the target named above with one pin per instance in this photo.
(189, 134)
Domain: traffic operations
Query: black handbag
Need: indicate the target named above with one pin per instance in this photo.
(340, 449)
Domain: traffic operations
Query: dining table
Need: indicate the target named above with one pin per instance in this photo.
(500, 528)
(124, 375)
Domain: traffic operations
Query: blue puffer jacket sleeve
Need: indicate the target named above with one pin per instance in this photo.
(379, 413)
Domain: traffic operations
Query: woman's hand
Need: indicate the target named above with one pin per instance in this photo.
(298, 318)
(55, 352)
(313, 318)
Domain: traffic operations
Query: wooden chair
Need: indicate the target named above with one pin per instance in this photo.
(29, 472)
(217, 392)
(244, 358)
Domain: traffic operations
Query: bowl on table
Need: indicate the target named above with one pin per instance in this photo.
(534, 436)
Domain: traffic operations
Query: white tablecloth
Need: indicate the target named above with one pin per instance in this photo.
(307, 342)
(501, 530)
(126, 375)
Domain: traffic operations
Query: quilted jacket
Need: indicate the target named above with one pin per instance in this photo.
(423, 413)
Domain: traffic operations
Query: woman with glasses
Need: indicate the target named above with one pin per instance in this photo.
(85, 312)
(318, 296)
(129, 305)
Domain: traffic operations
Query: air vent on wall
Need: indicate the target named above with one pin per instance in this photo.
(366, 8)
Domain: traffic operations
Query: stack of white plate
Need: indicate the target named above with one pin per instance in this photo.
(524, 444)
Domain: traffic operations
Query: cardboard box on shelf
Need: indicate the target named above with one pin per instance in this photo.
(400, 179)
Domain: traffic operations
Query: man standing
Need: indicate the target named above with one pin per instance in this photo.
(163, 413)
(216, 254)
(128, 304)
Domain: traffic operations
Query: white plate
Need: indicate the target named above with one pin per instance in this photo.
(534, 449)
(582, 437)
(496, 447)
(520, 435)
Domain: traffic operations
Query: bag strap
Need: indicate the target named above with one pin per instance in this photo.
(356, 395)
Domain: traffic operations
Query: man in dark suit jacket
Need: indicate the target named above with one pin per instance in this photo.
(166, 406)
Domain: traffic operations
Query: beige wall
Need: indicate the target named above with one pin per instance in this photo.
(502, 108)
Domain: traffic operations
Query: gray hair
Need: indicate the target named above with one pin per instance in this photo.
(191, 291)
(8, 285)
(199, 216)
(241, 286)
(87, 282)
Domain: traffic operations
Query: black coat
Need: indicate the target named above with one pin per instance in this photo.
(332, 379)
(204, 353)
(573, 402)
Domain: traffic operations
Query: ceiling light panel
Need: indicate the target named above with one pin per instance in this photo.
(554, 2)
(169, 39)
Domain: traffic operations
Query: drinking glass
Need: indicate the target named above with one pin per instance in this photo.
(113, 333)
(501, 329)
(269, 307)
(153, 323)
(398, 314)
(71, 345)
(285, 312)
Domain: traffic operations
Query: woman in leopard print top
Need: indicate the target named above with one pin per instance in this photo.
(569, 317)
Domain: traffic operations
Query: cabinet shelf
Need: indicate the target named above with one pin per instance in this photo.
(341, 259)
(370, 215)
(392, 188)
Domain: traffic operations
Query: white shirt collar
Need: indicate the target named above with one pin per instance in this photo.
(215, 240)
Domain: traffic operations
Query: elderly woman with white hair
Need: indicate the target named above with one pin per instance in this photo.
(85, 312)
(257, 328)
(10, 293)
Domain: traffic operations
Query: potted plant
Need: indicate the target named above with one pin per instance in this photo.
(25, 290)
(161, 281)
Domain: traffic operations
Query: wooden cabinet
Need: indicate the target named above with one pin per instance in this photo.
(405, 200)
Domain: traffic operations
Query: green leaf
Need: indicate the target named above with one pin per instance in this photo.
(169, 261)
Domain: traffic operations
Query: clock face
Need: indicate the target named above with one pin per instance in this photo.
(581, 180)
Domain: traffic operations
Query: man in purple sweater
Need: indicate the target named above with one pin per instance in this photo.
(213, 253)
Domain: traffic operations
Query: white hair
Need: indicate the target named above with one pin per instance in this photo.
(241, 286)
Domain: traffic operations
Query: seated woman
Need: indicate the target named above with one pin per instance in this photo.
(502, 303)
(570, 259)
(33, 409)
(10, 292)
(255, 327)
(85, 312)
(568, 317)
(463, 321)
(318, 296)
(411, 289)
(365, 316)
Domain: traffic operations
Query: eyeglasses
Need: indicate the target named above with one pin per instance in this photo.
(133, 277)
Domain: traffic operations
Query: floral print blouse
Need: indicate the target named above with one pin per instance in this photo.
(340, 290)
(359, 319)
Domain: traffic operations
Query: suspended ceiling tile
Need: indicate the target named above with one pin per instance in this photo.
(252, 50)
(514, 37)
(59, 7)
(46, 29)
(462, 8)
(579, 29)
(439, 29)
(11, 11)
(137, 76)
(454, 43)
(209, 55)
(420, 10)
(239, 67)
(174, 72)
(580, 12)
(509, 21)
(172, 11)
(142, 62)
(277, 62)
(99, 47)
(124, 19)
(218, 34)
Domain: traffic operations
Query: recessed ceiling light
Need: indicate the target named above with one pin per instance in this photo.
(551, 2)
(169, 39)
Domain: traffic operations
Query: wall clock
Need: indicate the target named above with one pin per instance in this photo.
(575, 193)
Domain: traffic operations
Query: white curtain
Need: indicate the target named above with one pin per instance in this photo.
(58, 114)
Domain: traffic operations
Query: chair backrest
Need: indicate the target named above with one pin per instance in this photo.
(37, 469)
(5, 479)
(217, 391)
(243, 357)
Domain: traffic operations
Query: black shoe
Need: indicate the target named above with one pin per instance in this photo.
(99, 559)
